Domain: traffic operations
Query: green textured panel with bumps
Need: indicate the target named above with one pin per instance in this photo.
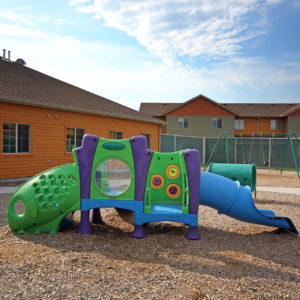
(41, 204)
(167, 181)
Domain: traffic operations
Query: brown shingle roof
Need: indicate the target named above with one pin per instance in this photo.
(23, 85)
(291, 110)
(160, 108)
(157, 108)
(260, 109)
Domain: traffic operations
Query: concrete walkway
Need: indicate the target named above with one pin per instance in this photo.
(283, 190)
(7, 189)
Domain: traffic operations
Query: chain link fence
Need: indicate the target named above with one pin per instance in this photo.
(264, 152)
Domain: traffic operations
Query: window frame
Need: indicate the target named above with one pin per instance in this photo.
(275, 122)
(75, 137)
(17, 137)
(217, 123)
(148, 138)
(183, 122)
(239, 127)
(113, 135)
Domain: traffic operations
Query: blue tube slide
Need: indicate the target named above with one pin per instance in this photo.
(234, 200)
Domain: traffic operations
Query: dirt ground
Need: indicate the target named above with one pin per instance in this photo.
(232, 260)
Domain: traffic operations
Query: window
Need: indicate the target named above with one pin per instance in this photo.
(15, 138)
(148, 136)
(239, 124)
(74, 138)
(216, 123)
(116, 135)
(183, 123)
(275, 124)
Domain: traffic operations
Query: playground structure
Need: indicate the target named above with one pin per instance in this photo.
(125, 174)
(253, 148)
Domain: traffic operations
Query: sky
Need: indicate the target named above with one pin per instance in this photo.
(134, 51)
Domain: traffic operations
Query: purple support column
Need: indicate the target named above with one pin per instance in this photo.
(85, 155)
(193, 233)
(193, 165)
(192, 161)
(85, 226)
(138, 232)
(142, 157)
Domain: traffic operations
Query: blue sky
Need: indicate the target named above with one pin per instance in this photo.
(134, 51)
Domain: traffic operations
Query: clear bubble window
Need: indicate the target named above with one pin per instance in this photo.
(113, 177)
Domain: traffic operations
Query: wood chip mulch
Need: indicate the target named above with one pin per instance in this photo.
(233, 260)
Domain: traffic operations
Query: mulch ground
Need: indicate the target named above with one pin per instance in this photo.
(233, 260)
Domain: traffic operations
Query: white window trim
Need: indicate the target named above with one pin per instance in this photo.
(74, 137)
(29, 146)
(115, 132)
(275, 121)
(216, 119)
(239, 127)
(183, 120)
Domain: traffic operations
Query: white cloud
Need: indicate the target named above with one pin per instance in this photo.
(174, 28)
(88, 65)
(75, 2)
(14, 16)
(16, 31)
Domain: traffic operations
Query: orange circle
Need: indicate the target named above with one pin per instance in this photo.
(172, 171)
(177, 189)
(158, 177)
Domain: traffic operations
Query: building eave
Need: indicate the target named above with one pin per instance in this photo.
(77, 110)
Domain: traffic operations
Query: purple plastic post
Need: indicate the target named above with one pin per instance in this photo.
(192, 160)
(138, 232)
(96, 216)
(142, 157)
(193, 233)
(85, 226)
(85, 155)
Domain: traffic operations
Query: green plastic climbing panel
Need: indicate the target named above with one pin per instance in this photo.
(42, 203)
(113, 173)
(167, 181)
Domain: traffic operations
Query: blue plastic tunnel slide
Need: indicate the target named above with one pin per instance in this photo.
(234, 200)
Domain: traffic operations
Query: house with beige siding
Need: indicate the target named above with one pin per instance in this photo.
(201, 116)
(42, 118)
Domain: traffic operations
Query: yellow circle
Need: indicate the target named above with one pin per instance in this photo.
(157, 181)
(175, 193)
(172, 171)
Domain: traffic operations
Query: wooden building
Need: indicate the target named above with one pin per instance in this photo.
(41, 118)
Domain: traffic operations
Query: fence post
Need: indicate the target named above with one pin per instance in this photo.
(270, 152)
(235, 150)
(203, 149)
(174, 147)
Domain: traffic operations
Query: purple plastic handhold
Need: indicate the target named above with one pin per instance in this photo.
(96, 216)
(85, 226)
(138, 232)
(193, 233)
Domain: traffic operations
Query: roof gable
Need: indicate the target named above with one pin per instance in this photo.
(23, 85)
(200, 106)
(294, 111)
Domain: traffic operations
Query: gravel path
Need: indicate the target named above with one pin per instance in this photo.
(233, 260)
